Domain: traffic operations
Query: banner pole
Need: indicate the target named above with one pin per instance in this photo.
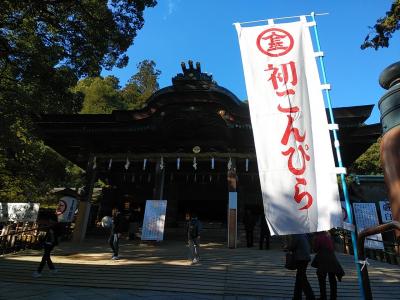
(340, 163)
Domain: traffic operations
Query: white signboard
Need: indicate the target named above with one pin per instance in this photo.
(386, 212)
(66, 209)
(291, 134)
(366, 217)
(154, 220)
(19, 212)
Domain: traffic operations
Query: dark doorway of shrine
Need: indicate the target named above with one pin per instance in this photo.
(197, 194)
(202, 193)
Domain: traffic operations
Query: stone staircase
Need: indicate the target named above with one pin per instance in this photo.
(230, 273)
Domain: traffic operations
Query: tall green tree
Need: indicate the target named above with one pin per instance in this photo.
(369, 162)
(384, 28)
(141, 85)
(45, 46)
(101, 95)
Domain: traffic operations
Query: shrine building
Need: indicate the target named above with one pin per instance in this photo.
(192, 145)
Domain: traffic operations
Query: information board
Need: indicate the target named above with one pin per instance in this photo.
(366, 216)
(19, 212)
(154, 220)
(386, 212)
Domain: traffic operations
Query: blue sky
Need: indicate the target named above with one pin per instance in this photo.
(179, 30)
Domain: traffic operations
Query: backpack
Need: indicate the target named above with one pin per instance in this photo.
(193, 229)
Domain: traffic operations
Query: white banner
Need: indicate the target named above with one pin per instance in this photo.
(366, 217)
(154, 220)
(19, 212)
(291, 135)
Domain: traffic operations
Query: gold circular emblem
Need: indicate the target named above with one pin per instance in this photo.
(196, 149)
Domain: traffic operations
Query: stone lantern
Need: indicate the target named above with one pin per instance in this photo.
(389, 106)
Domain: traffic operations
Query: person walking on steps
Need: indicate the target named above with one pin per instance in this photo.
(249, 224)
(327, 264)
(49, 242)
(300, 246)
(264, 233)
(116, 230)
(193, 234)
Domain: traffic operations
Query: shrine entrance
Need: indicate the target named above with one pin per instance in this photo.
(205, 195)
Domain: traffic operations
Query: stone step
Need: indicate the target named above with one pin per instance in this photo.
(164, 267)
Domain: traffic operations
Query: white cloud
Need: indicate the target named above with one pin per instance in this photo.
(172, 4)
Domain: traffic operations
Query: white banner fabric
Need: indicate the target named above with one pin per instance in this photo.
(154, 220)
(290, 128)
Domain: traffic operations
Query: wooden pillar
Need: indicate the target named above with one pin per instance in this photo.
(158, 191)
(232, 206)
(85, 203)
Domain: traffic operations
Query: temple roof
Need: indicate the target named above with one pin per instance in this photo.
(193, 111)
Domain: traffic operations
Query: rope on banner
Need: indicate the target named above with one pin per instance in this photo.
(339, 158)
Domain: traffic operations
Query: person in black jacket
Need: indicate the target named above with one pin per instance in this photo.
(50, 241)
(116, 231)
(249, 224)
(264, 233)
(299, 244)
(193, 234)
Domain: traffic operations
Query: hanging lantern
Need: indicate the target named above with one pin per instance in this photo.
(247, 164)
(178, 163)
(212, 163)
(109, 164)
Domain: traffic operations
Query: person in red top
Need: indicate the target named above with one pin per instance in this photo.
(326, 263)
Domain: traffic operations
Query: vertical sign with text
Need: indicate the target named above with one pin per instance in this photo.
(290, 128)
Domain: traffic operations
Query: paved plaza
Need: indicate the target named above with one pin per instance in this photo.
(162, 271)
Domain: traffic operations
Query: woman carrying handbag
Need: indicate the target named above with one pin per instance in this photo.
(327, 264)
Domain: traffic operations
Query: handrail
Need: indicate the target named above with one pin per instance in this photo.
(361, 253)
(25, 230)
(374, 230)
